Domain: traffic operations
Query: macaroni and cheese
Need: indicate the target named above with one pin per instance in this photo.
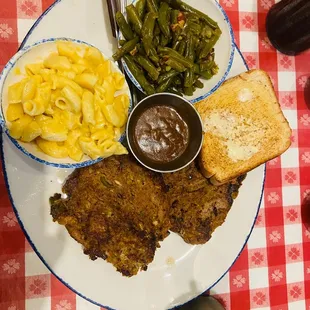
(69, 104)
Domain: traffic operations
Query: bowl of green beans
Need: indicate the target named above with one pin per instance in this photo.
(171, 46)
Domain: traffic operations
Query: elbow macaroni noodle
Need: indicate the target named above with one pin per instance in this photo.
(68, 105)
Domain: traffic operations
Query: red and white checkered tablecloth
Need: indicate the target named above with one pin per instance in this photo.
(273, 271)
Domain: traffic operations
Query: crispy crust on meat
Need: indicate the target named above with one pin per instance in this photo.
(198, 207)
(116, 209)
(120, 211)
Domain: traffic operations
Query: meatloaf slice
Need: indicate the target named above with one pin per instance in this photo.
(117, 210)
(197, 207)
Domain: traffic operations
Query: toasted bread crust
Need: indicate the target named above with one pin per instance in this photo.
(250, 101)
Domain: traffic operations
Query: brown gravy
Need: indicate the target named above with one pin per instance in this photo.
(161, 134)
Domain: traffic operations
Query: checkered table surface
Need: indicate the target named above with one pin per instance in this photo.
(273, 271)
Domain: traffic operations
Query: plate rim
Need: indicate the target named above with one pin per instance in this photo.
(7, 185)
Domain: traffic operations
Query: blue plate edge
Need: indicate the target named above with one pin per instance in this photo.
(28, 237)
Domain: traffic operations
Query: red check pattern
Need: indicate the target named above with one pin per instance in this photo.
(273, 271)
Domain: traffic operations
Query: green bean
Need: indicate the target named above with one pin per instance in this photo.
(175, 45)
(196, 77)
(192, 17)
(123, 26)
(139, 75)
(188, 91)
(164, 40)
(182, 60)
(187, 8)
(174, 17)
(148, 31)
(190, 49)
(169, 16)
(175, 27)
(174, 91)
(134, 18)
(189, 78)
(210, 44)
(153, 56)
(196, 41)
(152, 6)
(206, 74)
(193, 27)
(140, 7)
(196, 69)
(165, 76)
(164, 85)
(175, 65)
(200, 47)
(178, 4)
(190, 54)
(141, 50)
(128, 47)
(156, 40)
(147, 66)
(196, 46)
(181, 48)
(198, 84)
(149, 24)
(168, 22)
(215, 70)
(207, 32)
(122, 42)
(206, 65)
(157, 30)
(177, 81)
(163, 19)
(176, 56)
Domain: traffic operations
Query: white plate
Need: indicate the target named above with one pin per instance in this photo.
(30, 184)
(224, 49)
(34, 53)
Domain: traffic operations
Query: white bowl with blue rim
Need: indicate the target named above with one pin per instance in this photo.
(13, 73)
(224, 50)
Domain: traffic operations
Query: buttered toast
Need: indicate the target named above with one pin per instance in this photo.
(243, 127)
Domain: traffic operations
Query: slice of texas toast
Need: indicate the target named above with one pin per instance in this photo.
(244, 127)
